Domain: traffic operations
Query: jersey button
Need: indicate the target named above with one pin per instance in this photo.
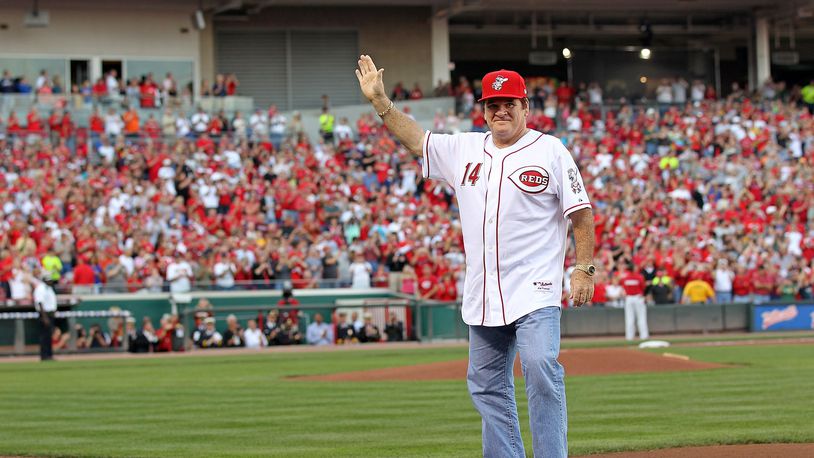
(491, 249)
(491, 220)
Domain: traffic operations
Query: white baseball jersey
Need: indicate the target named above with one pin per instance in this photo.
(513, 202)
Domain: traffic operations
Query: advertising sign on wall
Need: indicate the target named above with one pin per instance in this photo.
(790, 317)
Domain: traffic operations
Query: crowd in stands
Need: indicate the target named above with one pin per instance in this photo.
(716, 189)
(145, 91)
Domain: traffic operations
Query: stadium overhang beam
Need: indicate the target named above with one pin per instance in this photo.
(596, 30)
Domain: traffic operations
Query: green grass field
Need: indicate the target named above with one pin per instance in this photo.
(242, 405)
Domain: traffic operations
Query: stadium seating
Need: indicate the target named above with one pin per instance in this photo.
(127, 200)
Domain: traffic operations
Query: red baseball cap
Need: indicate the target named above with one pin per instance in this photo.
(503, 83)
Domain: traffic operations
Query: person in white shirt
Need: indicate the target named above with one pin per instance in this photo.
(182, 125)
(179, 275)
(342, 130)
(360, 271)
(168, 87)
(615, 294)
(45, 302)
(517, 191)
(200, 121)
(594, 94)
(723, 282)
(680, 91)
(113, 123)
(573, 122)
(224, 270)
(277, 126)
(41, 80)
(258, 124)
(253, 336)
(106, 151)
(112, 82)
(208, 192)
(20, 284)
(233, 159)
(697, 91)
(664, 93)
(239, 126)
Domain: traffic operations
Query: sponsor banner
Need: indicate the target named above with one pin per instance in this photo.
(791, 317)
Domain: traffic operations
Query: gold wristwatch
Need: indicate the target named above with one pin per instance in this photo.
(589, 269)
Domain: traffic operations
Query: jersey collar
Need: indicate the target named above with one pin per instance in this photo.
(524, 141)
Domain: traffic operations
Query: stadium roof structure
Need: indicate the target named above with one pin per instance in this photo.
(575, 17)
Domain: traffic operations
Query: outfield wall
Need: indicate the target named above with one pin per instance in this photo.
(439, 322)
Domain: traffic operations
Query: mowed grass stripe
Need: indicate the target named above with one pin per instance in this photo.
(761, 400)
(245, 406)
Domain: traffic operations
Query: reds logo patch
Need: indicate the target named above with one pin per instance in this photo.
(576, 188)
(498, 84)
(532, 179)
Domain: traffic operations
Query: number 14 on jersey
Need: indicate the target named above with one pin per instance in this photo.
(472, 176)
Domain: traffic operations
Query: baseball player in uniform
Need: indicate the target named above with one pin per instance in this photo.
(516, 190)
(635, 306)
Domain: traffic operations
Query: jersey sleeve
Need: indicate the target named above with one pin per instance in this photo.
(572, 193)
(441, 154)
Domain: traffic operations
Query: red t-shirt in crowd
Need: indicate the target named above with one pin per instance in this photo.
(600, 293)
(742, 285)
(6, 265)
(448, 291)
(763, 277)
(83, 274)
(633, 284)
(425, 284)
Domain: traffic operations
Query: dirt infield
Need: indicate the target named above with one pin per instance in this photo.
(593, 361)
(721, 451)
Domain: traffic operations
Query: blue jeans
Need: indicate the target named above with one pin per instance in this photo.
(761, 298)
(678, 291)
(723, 297)
(490, 379)
(742, 299)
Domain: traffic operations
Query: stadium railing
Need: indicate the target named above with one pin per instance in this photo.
(239, 285)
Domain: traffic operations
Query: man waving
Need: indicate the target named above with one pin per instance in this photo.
(516, 190)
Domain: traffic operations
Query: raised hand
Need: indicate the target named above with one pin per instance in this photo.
(370, 79)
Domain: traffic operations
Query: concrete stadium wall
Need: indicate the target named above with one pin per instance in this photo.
(398, 39)
(667, 319)
(444, 322)
(104, 30)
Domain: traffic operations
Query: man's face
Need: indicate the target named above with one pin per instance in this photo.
(505, 117)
